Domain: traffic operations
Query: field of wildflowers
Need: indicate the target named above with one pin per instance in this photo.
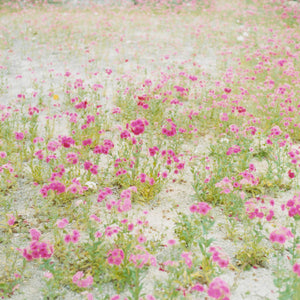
(150, 150)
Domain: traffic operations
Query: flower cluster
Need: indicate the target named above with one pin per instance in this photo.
(233, 150)
(103, 194)
(124, 203)
(143, 178)
(37, 249)
(280, 235)
(296, 269)
(83, 283)
(62, 223)
(255, 210)
(8, 167)
(201, 208)
(219, 256)
(11, 220)
(66, 141)
(115, 257)
(76, 188)
(72, 158)
(187, 256)
(105, 148)
(293, 206)
(89, 166)
(111, 230)
(169, 132)
(55, 186)
(226, 185)
(72, 238)
(218, 289)
(138, 126)
(143, 258)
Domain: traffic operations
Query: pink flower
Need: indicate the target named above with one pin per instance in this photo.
(108, 71)
(198, 287)
(187, 258)
(218, 289)
(280, 235)
(115, 257)
(103, 193)
(94, 169)
(19, 136)
(171, 242)
(153, 151)
(62, 223)
(11, 220)
(88, 281)
(98, 234)
(296, 269)
(110, 230)
(233, 149)
(37, 249)
(77, 276)
(164, 174)
(142, 239)
(223, 117)
(130, 227)
(52, 145)
(87, 165)
(67, 142)
(138, 126)
(151, 181)
(72, 158)
(87, 142)
(143, 177)
(116, 110)
(35, 234)
(90, 296)
(125, 134)
(219, 257)
(48, 275)
(75, 236)
(201, 208)
(142, 258)
(67, 238)
(95, 218)
(3, 154)
(39, 154)
(291, 174)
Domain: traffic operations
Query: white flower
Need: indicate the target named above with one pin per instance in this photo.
(91, 185)
(224, 140)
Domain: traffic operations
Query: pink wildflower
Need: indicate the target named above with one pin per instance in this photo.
(201, 208)
(198, 287)
(62, 223)
(3, 154)
(187, 258)
(35, 234)
(11, 220)
(218, 289)
(296, 269)
(115, 257)
(19, 136)
(223, 117)
(280, 235)
(84, 283)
